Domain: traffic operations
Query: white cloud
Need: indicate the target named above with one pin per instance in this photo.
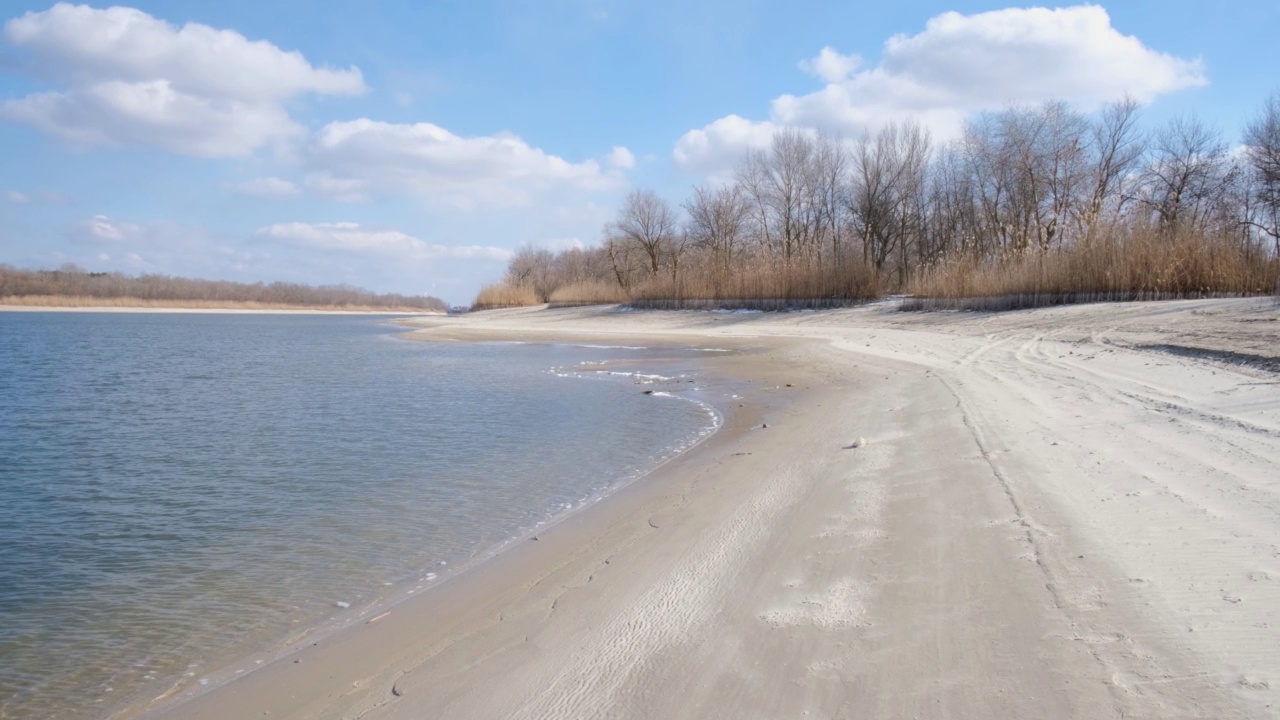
(101, 227)
(621, 158)
(353, 238)
(267, 188)
(129, 79)
(830, 65)
(354, 160)
(14, 196)
(958, 65)
(721, 144)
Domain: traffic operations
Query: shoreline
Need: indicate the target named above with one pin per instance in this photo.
(1001, 515)
(229, 669)
(176, 309)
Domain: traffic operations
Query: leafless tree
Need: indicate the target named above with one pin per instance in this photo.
(1118, 146)
(647, 222)
(1262, 148)
(1187, 174)
(716, 221)
(829, 189)
(886, 201)
(779, 185)
(533, 267)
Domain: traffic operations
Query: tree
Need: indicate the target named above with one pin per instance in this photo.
(887, 198)
(648, 223)
(1118, 146)
(1187, 174)
(532, 267)
(716, 221)
(1262, 149)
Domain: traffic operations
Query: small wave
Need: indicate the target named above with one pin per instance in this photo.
(639, 376)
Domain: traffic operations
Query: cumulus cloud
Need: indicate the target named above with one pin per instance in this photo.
(129, 79)
(353, 238)
(354, 160)
(14, 196)
(721, 143)
(622, 158)
(267, 188)
(830, 65)
(958, 65)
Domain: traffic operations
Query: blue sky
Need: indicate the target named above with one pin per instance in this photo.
(410, 146)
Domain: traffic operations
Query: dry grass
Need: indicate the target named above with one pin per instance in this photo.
(589, 292)
(763, 285)
(501, 295)
(1122, 267)
(80, 301)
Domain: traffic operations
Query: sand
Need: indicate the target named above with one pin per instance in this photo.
(1060, 513)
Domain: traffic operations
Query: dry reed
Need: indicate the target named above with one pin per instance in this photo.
(763, 285)
(501, 295)
(1124, 266)
(588, 292)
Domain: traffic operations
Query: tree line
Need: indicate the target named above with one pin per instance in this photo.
(71, 282)
(1047, 202)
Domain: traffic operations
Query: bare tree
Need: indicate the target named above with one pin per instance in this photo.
(1187, 174)
(647, 222)
(1063, 161)
(829, 189)
(1262, 148)
(717, 219)
(532, 267)
(621, 260)
(887, 198)
(778, 185)
(1118, 146)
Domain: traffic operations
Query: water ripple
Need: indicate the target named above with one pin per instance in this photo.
(177, 489)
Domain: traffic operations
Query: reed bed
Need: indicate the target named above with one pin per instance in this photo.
(1125, 266)
(501, 295)
(761, 285)
(588, 292)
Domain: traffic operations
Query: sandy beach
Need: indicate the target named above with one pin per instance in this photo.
(1061, 513)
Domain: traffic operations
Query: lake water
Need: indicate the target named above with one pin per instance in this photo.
(180, 490)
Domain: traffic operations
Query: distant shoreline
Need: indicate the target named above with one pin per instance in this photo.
(133, 305)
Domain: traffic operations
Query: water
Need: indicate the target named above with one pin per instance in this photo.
(176, 490)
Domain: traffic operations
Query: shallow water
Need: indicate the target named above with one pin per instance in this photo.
(179, 489)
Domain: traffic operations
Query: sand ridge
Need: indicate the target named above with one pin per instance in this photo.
(1071, 512)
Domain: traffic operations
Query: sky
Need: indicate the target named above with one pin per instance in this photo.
(412, 145)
